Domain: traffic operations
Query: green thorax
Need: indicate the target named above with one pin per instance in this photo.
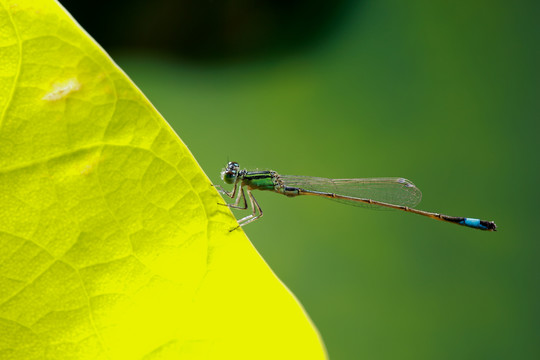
(260, 180)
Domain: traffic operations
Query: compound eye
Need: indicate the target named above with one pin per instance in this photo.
(229, 176)
(232, 166)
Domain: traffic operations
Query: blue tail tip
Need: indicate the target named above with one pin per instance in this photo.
(479, 224)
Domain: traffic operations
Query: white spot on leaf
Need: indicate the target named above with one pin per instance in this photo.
(61, 90)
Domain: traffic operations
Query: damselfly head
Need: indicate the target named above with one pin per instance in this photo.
(230, 172)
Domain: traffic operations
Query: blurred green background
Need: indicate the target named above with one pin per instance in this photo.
(443, 93)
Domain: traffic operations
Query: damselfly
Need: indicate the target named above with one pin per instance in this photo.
(393, 193)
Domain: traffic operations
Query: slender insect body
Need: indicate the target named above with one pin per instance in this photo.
(393, 193)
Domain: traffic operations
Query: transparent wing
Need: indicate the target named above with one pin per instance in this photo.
(397, 191)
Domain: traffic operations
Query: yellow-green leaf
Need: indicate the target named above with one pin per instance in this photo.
(112, 242)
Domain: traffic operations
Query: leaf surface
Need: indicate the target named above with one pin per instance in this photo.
(112, 242)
